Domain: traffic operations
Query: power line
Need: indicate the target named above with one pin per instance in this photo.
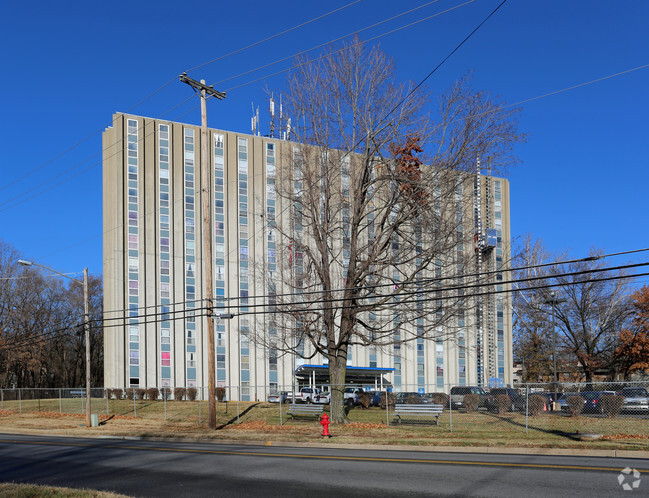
(29, 173)
(273, 36)
(355, 32)
(417, 301)
(177, 105)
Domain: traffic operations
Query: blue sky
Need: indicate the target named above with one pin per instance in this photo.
(68, 66)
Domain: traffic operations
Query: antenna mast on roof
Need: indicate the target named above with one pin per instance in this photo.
(272, 117)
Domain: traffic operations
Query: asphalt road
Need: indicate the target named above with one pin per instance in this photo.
(148, 468)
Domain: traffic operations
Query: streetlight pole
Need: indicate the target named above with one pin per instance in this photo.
(86, 325)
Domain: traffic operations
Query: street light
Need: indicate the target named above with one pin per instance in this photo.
(553, 300)
(86, 325)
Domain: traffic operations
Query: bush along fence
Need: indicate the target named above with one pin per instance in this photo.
(620, 408)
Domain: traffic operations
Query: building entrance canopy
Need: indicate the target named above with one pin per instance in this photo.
(319, 374)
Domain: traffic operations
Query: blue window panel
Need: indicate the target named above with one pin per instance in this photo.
(220, 375)
(191, 349)
(220, 350)
(191, 373)
(134, 345)
(166, 372)
(134, 371)
(272, 376)
(245, 376)
(165, 347)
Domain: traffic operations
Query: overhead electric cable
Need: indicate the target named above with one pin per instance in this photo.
(168, 83)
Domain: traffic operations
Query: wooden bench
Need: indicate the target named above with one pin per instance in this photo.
(419, 410)
(295, 410)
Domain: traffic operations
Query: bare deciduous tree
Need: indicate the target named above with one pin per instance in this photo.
(41, 334)
(594, 306)
(371, 208)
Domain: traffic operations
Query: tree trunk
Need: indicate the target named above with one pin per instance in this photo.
(337, 372)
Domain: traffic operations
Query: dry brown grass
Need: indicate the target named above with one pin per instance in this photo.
(32, 491)
(261, 422)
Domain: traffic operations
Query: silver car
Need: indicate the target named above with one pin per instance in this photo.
(635, 399)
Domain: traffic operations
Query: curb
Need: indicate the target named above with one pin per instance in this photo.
(396, 447)
(491, 450)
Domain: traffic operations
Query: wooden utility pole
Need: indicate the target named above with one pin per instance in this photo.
(86, 327)
(206, 194)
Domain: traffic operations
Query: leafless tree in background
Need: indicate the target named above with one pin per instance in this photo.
(595, 307)
(41, 327)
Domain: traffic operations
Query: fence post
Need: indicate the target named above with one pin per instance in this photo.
(280, 410)
(164, 397)
(387, 407)
(527, 407)
(60, 402)
(200, 403)
(134, 407)
(450, 408)
(2, 399)
(107, 408)
(20, 401)
(238, 398)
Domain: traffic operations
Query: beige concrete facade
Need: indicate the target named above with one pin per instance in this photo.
(153, 268)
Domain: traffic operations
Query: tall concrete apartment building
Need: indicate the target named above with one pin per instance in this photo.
(153, 269)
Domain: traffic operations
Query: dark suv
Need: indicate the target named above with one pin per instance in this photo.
(458, 393)
(518, 401)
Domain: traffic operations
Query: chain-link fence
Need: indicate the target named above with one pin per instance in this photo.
(564, 410)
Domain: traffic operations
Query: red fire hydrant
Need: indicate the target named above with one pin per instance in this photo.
(324, 422)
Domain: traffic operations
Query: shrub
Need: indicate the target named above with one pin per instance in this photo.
(165, 392)
(440, 399)
(503, 403)
(392, 400)
(220, 393)
(117, 393)
(535, 404)
(364, 400)
(130, 393)
(140, 393)
(471, 402)
(575, 405)
(411, 399)
(611, 404)
(179, 393)
(192, 392)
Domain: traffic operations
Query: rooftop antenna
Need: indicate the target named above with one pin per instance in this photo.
(272, 116)
(288, 129)
(253, 120)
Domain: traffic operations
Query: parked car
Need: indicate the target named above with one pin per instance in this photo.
(518, 401)
(592, 405)
(307, 394)
(351, 395)
(458, 393)
(280, 397)
(635, 399)
(376, 397)
(323, 398)
(409, 397)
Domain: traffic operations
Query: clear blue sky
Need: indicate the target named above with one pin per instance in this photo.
(68, 66)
